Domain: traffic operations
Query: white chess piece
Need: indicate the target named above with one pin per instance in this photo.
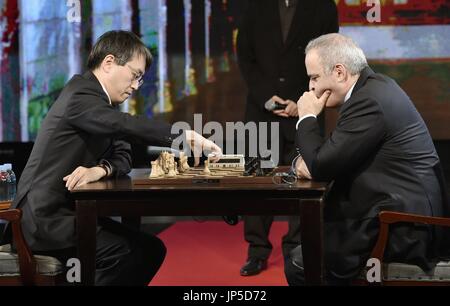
(171, 173)
(155, 171)
(183, 165)
(175, 168)
(171, 166)
(206, 169)
(164, 162)
(180, 167)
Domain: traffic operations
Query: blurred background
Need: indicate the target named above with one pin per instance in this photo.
(45, 42)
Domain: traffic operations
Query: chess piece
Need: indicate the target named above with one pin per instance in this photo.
(183, 165)
(164, 162)
(171, 166)
(171, 173)
(180, 167)
(184, 162)
(156, 169)
(206, 169)
(160, 169)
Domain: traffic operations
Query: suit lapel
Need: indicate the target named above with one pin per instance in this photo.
(302, 21)
(362, 79)
(91, 77)
(364, 75)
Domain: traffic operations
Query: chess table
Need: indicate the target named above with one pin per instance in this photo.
(136, 195)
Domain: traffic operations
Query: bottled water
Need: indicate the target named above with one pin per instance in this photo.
(7, 187)
(3, 184)
(12, 185)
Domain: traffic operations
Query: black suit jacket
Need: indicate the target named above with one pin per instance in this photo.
(271, 67)
(80, 129)
(381, 157)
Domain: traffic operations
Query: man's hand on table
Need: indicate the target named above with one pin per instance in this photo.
(82, 175)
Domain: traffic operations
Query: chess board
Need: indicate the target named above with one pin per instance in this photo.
(196, 176)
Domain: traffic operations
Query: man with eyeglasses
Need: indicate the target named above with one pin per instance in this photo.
(137, 76)
(81, 141)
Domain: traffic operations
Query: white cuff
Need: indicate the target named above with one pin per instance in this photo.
(304, 117)
(293, 164)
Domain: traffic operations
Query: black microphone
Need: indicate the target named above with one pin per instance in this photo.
(231, 220)
(272, 105)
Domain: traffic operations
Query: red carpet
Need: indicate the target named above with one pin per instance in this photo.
(211, 254)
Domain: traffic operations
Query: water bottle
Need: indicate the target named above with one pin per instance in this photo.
(3, 191)
(3, 184)
(12, 185)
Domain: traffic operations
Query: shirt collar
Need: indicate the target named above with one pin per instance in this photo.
(349, 93)
(106, 92)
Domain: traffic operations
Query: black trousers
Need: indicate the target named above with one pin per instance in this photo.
(295, 274)
(256, 233)
(257, 228)
(124, 256)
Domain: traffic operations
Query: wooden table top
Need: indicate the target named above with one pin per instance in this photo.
(127, 183)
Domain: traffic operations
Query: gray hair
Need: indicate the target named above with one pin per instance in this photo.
(338, 49)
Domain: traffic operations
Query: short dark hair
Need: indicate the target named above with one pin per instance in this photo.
(123, 45)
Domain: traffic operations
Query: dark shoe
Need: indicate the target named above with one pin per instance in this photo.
(253, 266)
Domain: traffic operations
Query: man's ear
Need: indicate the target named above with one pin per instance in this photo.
(107, 63)
(340, 73)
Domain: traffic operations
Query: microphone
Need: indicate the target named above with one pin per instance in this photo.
(272, 105)
(231, 220)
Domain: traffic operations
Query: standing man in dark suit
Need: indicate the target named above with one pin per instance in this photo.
(380, 156)
(81, 141)
(270, 49)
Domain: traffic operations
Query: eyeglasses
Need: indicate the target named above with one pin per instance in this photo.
(137, 77)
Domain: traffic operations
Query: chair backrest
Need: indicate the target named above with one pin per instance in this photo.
(21, 267)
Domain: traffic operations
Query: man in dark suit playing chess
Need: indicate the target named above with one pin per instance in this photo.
(380, 157)
(82, 140)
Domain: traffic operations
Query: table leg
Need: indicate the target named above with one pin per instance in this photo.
(311, 228)
(86, 220)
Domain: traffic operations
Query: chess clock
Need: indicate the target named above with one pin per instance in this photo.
(227, 161)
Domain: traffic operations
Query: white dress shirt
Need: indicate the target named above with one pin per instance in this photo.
(347, 96)
(104, 89)
(108, 165)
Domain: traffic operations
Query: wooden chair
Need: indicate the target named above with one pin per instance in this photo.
(400, 274)
(22, 268)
